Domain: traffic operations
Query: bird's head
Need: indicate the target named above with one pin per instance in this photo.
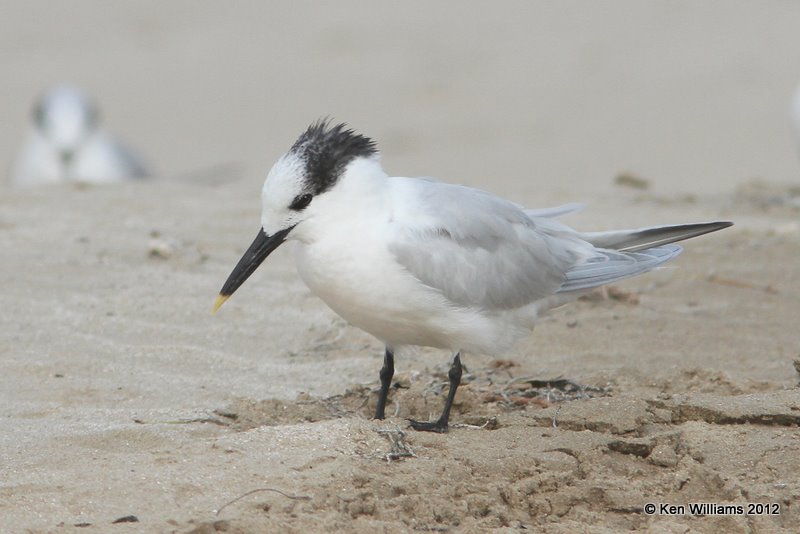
(66, 117)
(296, 187)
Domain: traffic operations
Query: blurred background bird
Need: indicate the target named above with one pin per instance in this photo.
(66, 142)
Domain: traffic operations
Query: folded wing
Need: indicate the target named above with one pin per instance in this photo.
(483, 251)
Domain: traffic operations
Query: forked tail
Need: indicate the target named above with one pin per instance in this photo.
(626, 253)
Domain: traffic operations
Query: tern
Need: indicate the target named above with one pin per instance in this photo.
(67, 143)
(415, 261)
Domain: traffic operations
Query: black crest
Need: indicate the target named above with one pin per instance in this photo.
(326, 151)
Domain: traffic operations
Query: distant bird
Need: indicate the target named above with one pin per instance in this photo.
(414, 261)
(66, 143)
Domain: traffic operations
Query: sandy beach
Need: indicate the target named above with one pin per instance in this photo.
(128, 407)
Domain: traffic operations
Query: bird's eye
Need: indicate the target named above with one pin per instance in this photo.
(300, 202)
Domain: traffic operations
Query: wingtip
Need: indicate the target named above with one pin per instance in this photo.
(219, 302)
(716, 226)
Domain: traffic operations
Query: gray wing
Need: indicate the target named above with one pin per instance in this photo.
(480, 250)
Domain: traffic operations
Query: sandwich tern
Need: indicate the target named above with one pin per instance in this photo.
(414, 261)
(66, 143)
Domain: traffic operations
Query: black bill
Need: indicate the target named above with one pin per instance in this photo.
(262, 246)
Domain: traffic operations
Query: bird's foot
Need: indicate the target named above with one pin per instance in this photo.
(439, 426)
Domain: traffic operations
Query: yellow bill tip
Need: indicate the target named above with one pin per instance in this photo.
(219, 302)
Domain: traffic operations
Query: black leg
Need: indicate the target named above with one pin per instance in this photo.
(455, 379)
(387, 372)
